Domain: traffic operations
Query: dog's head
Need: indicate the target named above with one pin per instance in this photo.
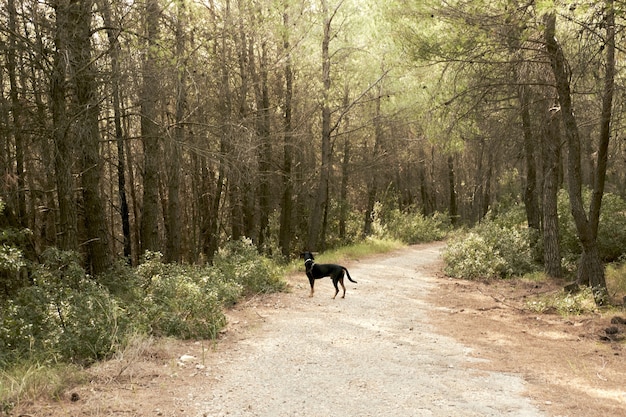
(307, 256)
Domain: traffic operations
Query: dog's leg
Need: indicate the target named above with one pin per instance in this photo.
(335, 280)
(312, 282)
(342, 286)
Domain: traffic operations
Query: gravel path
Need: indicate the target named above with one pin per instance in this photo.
(373, 353)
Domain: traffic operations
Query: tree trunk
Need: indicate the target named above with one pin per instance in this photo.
(454, 214)
(63, 155)
(286, 212)
(265, 148)
(345, 172)
(590, 270)
(16, 109)
(423, 184)
(150, 132)
(173, 247)
(531, 194)
(88, 134)
(551, 157)
(211, 235)
(315, 219)
(372, 182)
(114, 52)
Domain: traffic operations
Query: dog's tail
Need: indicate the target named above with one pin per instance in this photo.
(348, 274)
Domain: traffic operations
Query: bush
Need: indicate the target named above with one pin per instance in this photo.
(471, 257)
(239, 261)
(65, 314)
(564, 303)
(611, 229)
(179, 301)
(409, 226)
(68, 316)
(494, 249)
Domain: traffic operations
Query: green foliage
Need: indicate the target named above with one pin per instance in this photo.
(30, 380)
(68, 316)
(64, 315)
(180, 303)
(616, 279)
(564, 303)
(611, 229)
(409, 227)
(12, 259)
(239, 262)
(497, 248)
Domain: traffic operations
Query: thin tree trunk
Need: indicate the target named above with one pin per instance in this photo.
(265, 149)
(531, 195)
(88, 134)
(173, 247)
(286, 212)
(211, 236)
(454, 214)
(16, 109)
(114, 52)
(150, 132)
(373, 181)
(316, 216)
(345, 173)
(63, 156)
(551, 157)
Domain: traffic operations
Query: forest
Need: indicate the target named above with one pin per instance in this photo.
(152, 133)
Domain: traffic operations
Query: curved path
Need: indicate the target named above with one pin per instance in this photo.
(373, 353)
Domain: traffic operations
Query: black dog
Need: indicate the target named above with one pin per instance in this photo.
(316, 271)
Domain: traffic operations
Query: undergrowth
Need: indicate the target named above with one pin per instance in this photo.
(564, 303)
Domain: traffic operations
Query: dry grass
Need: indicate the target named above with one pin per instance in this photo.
(30, 381)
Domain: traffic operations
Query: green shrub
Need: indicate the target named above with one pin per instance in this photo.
(30, 380)
(239, 262)
(65, 314)
(471, 257)
(179, 301)
(611, 229)
(564, 303)
(409, 226)
(497, 248)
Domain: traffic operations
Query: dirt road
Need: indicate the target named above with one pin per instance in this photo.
(374, 353)
(397, 345)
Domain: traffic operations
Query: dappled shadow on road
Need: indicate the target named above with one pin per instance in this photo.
(571, 367)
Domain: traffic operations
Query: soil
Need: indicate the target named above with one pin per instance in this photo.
(406, 341)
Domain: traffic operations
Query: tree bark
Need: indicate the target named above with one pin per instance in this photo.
(531, 194)
(551, 157)
(373, 181)
(16, 108)
(150, 132)
(88, 134)
(286, 207)
(114, 53)
(453, 206)
(173, 247)
(265, 149)
(63, 155)
(590, 270)
(315, 219)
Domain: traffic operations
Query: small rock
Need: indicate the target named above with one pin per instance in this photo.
(611, 330)
(618, 320)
